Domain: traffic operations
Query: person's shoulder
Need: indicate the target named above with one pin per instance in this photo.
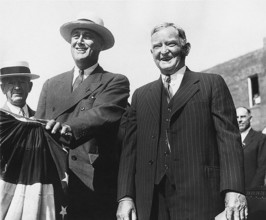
(207, 75)
(259, 134)
(108, 74)
(144, 88)
(58, 77)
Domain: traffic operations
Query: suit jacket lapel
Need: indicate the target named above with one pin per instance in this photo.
(186, 91)
(69, 98)
(248, 138)
(154, 99)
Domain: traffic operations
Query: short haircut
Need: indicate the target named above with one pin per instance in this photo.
(181, 34)
(248, 110)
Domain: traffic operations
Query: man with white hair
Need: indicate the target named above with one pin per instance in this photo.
(15, 77)
(86, 104)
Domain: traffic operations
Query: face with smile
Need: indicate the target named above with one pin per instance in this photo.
(16, 89)
(166, 49)
(85, 47)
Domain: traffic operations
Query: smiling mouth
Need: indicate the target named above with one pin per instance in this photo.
(81, 49)
(166, 59)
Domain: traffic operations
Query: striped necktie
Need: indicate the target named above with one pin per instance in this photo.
(78, 80)
(168, 88)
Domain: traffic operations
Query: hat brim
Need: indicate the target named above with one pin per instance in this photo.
(30, 75)
(108, 38)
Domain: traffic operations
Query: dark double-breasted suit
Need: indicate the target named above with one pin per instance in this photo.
(254, 146)
(206, 154)
(93, 111)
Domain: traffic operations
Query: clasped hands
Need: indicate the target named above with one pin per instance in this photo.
(56, 126)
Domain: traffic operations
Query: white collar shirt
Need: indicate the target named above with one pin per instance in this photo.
(17, 110)
(176, 79)
(87, 72)
(244, 134)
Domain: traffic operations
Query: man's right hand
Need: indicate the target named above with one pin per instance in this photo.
(126, 210)
(55, 127)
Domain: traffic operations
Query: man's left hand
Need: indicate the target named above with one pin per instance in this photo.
(235, 206)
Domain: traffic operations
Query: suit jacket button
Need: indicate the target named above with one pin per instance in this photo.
(82, 109)
(74, 157)
(150, 162)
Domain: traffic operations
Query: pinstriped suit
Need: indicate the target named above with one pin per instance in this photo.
(206, 152)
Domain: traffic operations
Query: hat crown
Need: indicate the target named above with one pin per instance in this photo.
(12, 63)
(87, 16)
(16, 68)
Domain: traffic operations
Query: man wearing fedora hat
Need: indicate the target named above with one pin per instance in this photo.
(86, 104)
(15, 77)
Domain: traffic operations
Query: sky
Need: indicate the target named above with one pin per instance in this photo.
(217, 30)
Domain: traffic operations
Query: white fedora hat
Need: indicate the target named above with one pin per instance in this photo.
(16, 68)
(90, 21)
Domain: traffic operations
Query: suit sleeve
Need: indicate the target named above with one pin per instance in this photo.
(108, 107)
(41, 107)
(258, 179)
(126, 180)
(228, 138)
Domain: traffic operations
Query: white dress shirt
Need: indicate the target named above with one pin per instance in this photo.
(17, 110)
(87, 72)
(176, 79)
(244, 134)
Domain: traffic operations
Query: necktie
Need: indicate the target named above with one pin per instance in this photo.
(78, 80)
(168, 88)
(22, 112)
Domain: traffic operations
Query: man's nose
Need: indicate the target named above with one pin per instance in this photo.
(17, 85)
(164, 49)
(80, 39)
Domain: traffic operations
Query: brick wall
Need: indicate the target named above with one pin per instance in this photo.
(236, 73)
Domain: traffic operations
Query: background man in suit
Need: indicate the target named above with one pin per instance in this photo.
(16, 84)
(91, 114)
(181, 156)
(254, 145)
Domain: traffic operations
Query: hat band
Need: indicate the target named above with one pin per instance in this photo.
(14, 69)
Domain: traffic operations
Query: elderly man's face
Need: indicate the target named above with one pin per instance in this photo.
(166, 50)
(85, 47)
(243, 119)
(16, 89)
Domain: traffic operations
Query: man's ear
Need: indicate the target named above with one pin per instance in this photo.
(3, 88)
(30, 85)
(186, 49)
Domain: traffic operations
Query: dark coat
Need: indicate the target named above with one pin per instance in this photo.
(254, 146)
(206, 150)
(93, 112)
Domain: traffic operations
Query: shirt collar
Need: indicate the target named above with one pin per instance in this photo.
(16, 110)
(176, 75)
(87, 71)
(244, 134)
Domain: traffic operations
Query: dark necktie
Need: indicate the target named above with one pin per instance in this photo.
(78, 80)
(167, 87)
